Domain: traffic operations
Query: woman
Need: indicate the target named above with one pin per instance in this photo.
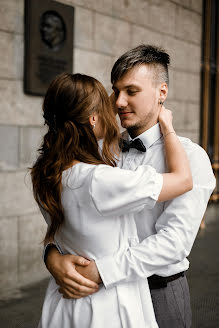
(89, 203)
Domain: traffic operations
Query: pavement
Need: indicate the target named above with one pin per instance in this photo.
(203, 277)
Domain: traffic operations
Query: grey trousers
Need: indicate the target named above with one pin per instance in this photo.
(172, 304)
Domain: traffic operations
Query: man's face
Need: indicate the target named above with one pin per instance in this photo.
(137, 99)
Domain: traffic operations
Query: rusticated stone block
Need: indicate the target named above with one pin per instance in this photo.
(30, 140)
(12, 50)
(162, 17)
(16, 108)
(11, 13)
(8, 253)
(98, 65)
(9, 146)
(6, 63)
(192, 117)
(179, 115)
(103, 6)
(197, 5)
(194, 136)
(186, 86)
(194, 58)
(111, 35)
(31, 232)
(178, 50)
(83, 36)
(16, 194)
(171, 88)
(186, 3)
(184, 55)
(133, 11)
(144, 35)
(188, 25)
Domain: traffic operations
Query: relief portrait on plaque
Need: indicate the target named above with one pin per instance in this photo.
(52, 29)
(48, 43)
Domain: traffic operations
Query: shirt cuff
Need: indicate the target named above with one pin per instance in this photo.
(55, 244)
(158, 184)
(109, 271)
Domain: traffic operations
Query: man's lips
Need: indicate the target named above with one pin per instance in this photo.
(124, 113)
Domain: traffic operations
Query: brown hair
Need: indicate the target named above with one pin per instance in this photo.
(147, 54)
(68, 104)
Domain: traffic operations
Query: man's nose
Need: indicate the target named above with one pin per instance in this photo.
(121, 101)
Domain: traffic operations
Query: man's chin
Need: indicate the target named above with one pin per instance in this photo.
(127, 125)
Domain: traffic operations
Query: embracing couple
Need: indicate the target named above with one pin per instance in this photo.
(122, 211)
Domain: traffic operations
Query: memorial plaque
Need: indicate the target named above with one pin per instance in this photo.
(48, 43)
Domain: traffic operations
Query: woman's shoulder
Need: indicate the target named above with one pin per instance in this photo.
(76, 175)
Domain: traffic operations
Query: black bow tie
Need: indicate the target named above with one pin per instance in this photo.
(125, 145)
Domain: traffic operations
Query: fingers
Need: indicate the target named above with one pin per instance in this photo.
(76, 291)
(80, 280)
(74, 287)
(79, 260)
(77, 283)
(66, 294)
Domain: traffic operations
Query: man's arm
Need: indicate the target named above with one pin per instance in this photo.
(176, 230)
(63, 269)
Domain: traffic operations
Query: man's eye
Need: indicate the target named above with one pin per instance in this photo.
(131, 92)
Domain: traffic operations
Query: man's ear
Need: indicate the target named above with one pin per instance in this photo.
(163, 92)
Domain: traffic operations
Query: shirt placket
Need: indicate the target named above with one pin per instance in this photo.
(133, 159)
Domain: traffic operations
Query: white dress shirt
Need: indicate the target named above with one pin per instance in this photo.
(99, 203)
(168, 230)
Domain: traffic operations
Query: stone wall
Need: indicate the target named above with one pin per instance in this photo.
(104, 29)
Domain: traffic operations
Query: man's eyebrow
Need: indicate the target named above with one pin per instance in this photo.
(127, 86)
(131, 86)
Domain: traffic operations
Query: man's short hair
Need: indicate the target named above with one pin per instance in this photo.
(153, 56)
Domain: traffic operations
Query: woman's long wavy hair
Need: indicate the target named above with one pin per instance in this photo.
(68, 104)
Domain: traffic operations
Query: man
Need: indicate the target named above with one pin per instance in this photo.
(167, 232)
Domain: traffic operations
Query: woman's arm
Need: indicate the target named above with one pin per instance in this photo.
(179, 178)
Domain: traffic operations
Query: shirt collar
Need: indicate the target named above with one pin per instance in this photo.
(150, 136)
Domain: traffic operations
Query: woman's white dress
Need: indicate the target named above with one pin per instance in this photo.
(99, 202)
